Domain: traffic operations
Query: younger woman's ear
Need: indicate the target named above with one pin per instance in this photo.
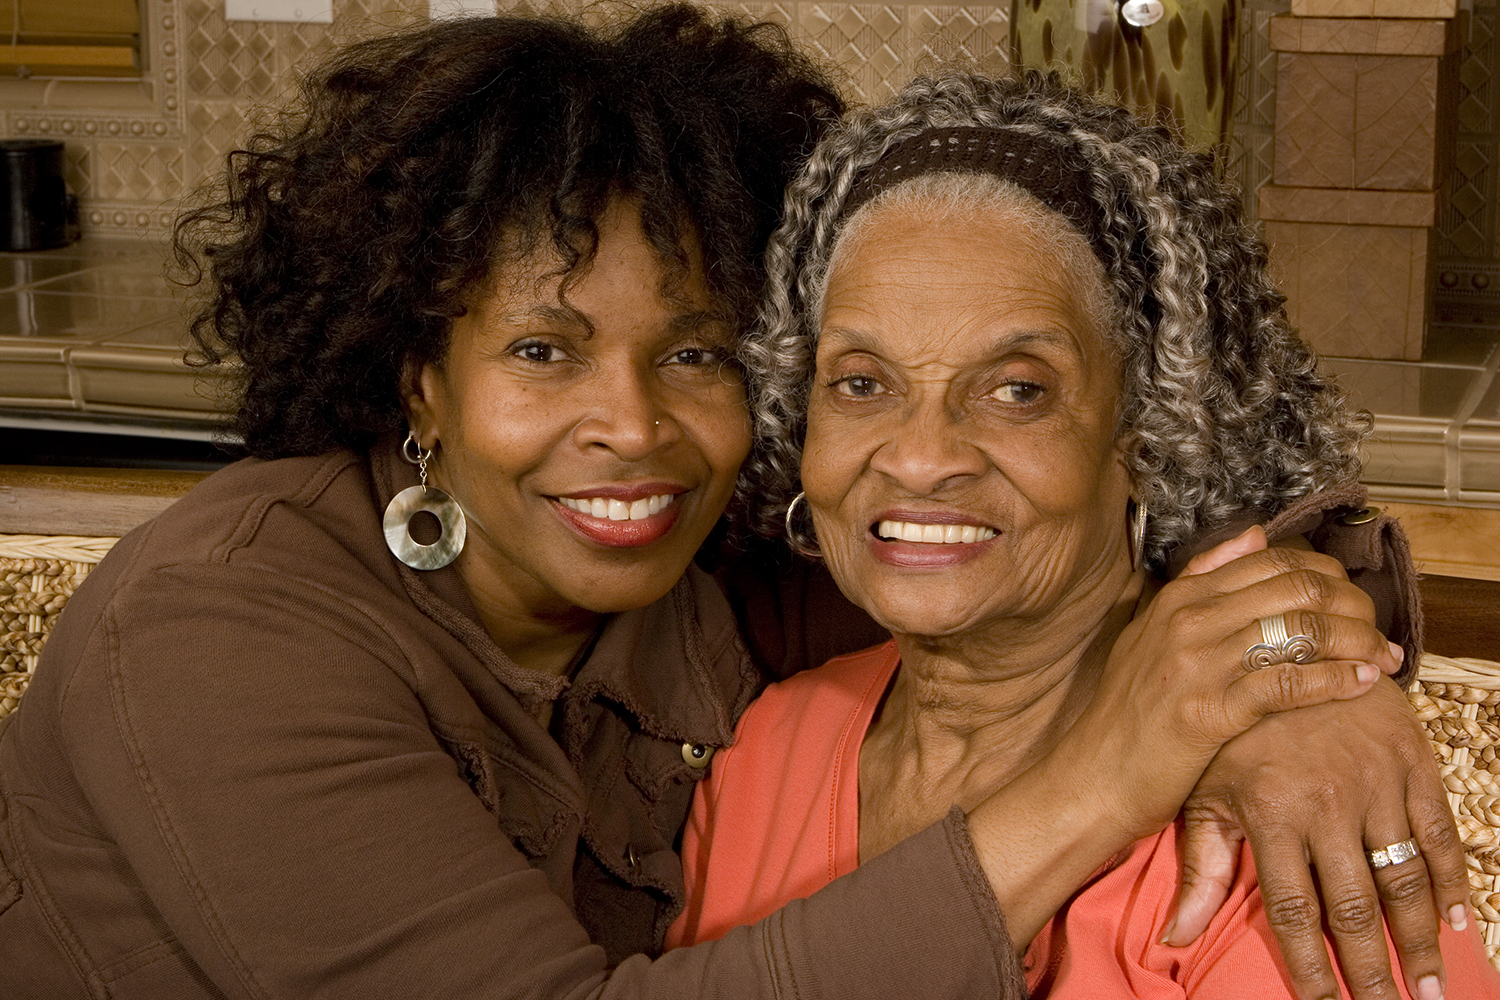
(415, 395)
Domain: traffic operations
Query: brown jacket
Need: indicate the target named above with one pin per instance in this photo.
(262, 759)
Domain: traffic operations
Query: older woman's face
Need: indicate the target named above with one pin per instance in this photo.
(960, 460)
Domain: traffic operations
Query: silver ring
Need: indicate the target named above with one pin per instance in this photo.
(1276, 646)
(1393, 855)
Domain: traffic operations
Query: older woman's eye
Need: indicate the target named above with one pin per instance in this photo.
(858, 385)
(1019, 392)
(692, 356)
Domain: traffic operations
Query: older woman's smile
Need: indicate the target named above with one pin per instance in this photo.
(933, 532)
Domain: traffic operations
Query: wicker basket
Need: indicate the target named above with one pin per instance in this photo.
(38, 573)
(1458, 700)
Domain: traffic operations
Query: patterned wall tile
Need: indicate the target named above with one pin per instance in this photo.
(136, 172)
(974, 35)
(78, 169)
(216, 127)
(228, 58)
(867, 40)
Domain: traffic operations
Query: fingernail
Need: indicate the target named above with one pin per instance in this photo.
(1397, 652)
(1458, 916)
(1367, 673)
(1428, 988)
(1167, 933)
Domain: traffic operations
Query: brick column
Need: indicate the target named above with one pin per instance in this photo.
(1364, 90)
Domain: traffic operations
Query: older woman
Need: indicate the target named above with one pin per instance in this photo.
(1037, 350)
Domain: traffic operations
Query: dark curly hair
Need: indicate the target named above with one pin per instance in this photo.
(347, 235)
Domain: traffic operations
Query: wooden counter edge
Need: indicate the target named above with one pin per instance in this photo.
(43, 500)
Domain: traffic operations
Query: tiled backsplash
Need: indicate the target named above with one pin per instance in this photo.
(135, 150)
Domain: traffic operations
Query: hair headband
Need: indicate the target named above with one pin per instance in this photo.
(1055, 172)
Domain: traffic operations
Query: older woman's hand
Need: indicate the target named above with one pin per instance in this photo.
(1174, 690)
(1188, 629)
(1319, 785)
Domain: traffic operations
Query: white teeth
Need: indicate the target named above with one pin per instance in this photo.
(941, 534)
(618, 510)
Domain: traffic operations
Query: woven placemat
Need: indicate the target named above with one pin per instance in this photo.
(38, 573)
(1458, 700)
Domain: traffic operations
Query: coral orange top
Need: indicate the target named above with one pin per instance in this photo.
(778, 819)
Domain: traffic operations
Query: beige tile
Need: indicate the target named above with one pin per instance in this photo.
(1375, 8)
(1365, 36)
(1402, 388)
(137, 172)
(124, 378)
(1395, 108)
(1348, 207)
(1351, 289)
(1479, 463)
(1315, 106)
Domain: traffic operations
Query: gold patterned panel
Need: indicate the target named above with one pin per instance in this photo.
(216, 127)
(137, 171)
(1178, 70)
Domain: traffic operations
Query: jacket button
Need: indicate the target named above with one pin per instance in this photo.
(697, 755)
(1363, 515)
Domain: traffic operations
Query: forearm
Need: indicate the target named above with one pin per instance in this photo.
(1038, 840)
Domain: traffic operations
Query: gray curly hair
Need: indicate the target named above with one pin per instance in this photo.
(1224, 409)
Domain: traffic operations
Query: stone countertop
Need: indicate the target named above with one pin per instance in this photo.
(94, 334)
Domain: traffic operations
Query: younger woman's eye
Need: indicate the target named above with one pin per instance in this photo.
(1019, 392)
(537, 351)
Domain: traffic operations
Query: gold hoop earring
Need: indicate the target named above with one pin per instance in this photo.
(1136, 513)
(413, 500)
(800, 547)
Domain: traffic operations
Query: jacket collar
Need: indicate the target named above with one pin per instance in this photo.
(677, 666)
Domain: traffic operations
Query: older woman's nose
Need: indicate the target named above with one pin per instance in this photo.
(626, 415)
(928, 451)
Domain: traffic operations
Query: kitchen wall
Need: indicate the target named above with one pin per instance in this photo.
(135, 149)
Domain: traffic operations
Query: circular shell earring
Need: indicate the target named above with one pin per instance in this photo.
(413, 500)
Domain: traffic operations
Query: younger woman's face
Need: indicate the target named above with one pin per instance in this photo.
(593, 441)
